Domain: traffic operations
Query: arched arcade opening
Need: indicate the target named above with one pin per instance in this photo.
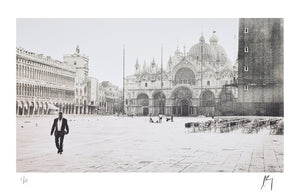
(207, 103)
(182, 102)
(159, 102)
(143, 103)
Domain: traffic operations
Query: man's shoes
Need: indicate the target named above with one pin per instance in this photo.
(58, 151)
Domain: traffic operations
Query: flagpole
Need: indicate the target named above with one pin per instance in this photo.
(161, 79)
(123, 79)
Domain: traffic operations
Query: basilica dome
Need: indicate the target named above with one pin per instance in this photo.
(212, 52)
(213, 38)
(203, 50)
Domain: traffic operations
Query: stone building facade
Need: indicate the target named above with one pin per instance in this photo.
(45, 85)
(112, 98)
(42, 84)
(101, 100)
(81, 64)
(93, 101)
(192, 84)
(260, 72)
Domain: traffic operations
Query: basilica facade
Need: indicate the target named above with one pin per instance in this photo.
(199, 82)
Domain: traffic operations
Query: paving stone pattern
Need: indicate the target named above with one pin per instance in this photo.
(123, 144)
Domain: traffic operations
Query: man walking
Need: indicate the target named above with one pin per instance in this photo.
(58, 127)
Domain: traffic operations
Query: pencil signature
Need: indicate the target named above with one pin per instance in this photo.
(24, 180)
(267, 178)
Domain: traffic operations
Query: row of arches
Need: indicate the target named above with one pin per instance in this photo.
(207, 97)
(183, 103)
(27, 108)
(42, 108)
(152, 77)
(186, 75)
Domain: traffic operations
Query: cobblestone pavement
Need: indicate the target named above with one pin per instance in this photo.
(122, 144)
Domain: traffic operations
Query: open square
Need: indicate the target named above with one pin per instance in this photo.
(220, 79)
(125, 144)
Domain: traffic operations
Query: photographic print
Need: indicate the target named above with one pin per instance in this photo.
(165, 95)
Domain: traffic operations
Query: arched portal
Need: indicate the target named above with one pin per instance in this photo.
(183, 107)
(226, 104)
(207, 103)
(207, 99)
(182, 92)
(159, 102)
(182, 101)
(185, 76)
(143, 102)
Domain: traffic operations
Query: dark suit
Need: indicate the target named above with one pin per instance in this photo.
(59, 135)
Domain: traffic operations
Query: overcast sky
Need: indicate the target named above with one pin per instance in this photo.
(103, 39)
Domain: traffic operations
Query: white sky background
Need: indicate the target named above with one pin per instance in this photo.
(103, 39)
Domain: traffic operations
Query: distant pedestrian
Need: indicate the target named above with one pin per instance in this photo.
(171, 118)
(151, 120)
(160, 117)
(59, 126)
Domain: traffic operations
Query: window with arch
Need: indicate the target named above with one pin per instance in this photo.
(185, 76)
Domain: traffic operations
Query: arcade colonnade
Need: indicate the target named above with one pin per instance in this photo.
(182, 101)
(43, 85)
